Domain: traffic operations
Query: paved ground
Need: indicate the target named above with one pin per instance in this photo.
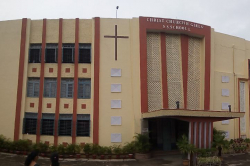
(16, 160)
(171, 160)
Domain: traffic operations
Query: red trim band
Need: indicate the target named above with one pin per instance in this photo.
(184, 54)
(96, 81)
(75, 80)
(41, 83)
(164, 71)
(20, 80)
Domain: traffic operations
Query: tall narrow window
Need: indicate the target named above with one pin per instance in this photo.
(47, 124)
(65, 124)
(33, 87)
(67, 88)
(35, 53)
(68, 53)
(51, 53)
(50, 87)
(248, 68)
(84, 88)
(84, 53)
(29, 123)
(83, 125)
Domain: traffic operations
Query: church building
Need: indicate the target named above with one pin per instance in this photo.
(103, 80)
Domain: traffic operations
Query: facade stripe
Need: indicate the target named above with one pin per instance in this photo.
(41, 83)
(20, 80)
(75, 80)
(202, 134)
(184, 53)
(207, 134)
(59, 63)
(164, 71)
(197, 134)
(192, 132)
(96, 81)
(143, 67)
(207, 69)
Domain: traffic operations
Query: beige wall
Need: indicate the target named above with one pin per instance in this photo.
(128, 60)
(10, 32)
(229, 58)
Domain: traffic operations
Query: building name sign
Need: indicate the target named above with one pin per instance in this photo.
(175, 24)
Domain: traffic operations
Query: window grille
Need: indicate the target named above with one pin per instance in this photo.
(51, 53)
(33, 87)
(35, 53)
(50, 87)
(84, 88)
(84, 53)
(47, 125)
(68, 53)
(83, 125)
(29, 123)
(67, 88)
(65, 125)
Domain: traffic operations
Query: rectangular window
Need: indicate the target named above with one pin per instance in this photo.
(50, 87)
(65, 124)
(84, 53)
(83, 125)
(33, 87)
(67, 88)
(68, 53)
(51, 53)
(29, 123)
(84, 88)
(47, 124)
(35, 53)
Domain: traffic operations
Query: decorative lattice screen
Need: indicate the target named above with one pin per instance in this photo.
(194, 75)
(242, 107)
(154, 72)
(174, 71)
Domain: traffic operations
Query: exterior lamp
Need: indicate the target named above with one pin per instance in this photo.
(229, 108)
(177, 105)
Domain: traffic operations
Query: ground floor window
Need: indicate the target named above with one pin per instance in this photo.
(65, 125)
(29, 123)
(47, 124)
(83, 125)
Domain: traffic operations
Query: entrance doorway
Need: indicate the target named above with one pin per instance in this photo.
(164, 132)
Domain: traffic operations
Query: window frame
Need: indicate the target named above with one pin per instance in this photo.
(67, 81)
(33, 81)
(54, 47)
(29, 116)
(83, 117)
(84, 81)
(64, 117)
(67, 46)
(47, 116)
(83, 46)
(50, 82)
(35, 47)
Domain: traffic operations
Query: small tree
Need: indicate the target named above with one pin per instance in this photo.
(141, 143)
(185, 147)
(219, 140)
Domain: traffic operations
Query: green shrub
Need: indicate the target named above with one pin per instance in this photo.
(2, 141)
(52, 149)
(185, 147)
(61, 149)
(129, 148)
(117, 149)
(142, 144)
(108, 150)
(87, 148)
(95, 148)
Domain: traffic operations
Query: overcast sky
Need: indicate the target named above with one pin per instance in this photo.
(226, 16)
